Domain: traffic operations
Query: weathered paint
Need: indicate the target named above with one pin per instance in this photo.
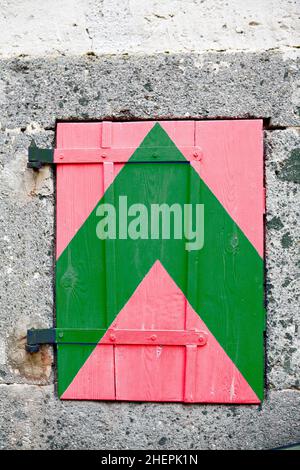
(222, 282)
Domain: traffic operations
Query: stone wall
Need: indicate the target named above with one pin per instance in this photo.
(52, 73)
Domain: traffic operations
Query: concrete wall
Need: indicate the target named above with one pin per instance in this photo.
(48, 73)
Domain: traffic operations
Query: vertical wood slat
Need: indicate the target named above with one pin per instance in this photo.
(190, 350)
(190, 372)
(106, 134)
(110, 257)
(79, 188)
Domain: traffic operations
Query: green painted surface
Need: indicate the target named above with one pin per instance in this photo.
(95, 278)
(77, 336)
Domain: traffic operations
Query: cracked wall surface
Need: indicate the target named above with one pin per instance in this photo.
(46, 86)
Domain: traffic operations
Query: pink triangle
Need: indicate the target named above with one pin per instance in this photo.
(157, 373)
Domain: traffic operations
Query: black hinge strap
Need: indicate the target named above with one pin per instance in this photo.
(37, 337)
(38, 157)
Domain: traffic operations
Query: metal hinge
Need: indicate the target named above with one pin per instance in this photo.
(114, 336)
(38, 157)
(37, 337)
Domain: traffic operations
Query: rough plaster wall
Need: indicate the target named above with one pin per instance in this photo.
(138, 26)
(35, 92)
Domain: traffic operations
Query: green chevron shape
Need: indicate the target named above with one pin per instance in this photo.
(223, 281)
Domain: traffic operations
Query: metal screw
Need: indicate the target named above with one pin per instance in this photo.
(112, 338)
(60, 334)
(155, 155)
(153, 337)
(61, 156)
(103, 155)
(202, 339)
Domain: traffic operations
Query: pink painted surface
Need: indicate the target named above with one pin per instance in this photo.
(78, 188)
(164, 373)
(232, 167)
(108, 174)
(96, 380)
(115, 155)
(190, 373)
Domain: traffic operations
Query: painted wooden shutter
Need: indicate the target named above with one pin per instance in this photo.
(149, 320)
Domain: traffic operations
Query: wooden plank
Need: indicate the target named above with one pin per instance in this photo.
(191, 350)
(79, 188)
(110, 252)
(190, 373)
(116, 155)
(106, 134)
(110, 255)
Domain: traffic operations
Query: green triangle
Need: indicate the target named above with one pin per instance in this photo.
(157, 147)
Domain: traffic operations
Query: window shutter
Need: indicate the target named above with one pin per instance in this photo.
(148, 319)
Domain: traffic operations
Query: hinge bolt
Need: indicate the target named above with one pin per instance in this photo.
(202, 339)
(61, 156)
(112, 338)
(61, 334)
(153, 337)
(103, 155)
